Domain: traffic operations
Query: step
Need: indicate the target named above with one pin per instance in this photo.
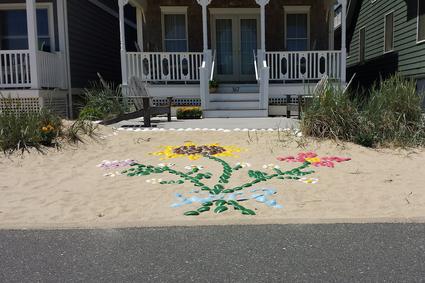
(238, 88)
(235, 113)
(233, 96)
(232, 104)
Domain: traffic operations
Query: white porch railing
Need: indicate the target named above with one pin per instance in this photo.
(304, 65)
(15, 68)
(165, 66)
(50, 69)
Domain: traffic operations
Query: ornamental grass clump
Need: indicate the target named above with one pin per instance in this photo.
(390, 115)
(21, 130)
(103, 101)
(394, 114)
(332, 115)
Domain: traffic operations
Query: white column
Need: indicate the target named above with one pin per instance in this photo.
(205, 69)
(262, 4)
(121, 4)
(139, 19)
(344, 42)
(33, 42)
(204, 4)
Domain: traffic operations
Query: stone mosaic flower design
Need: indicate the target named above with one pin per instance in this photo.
(195, 152)
(212, 193)
(313, 159)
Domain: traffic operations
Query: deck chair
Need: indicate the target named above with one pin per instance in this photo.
(144, 105)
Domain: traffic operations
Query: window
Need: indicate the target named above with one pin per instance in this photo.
(389, 33)
(421, 21)
(13, 29)
(174, 29)
(297, 21)
(362, 44)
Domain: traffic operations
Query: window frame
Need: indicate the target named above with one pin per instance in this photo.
(174, 10)
(50, 18)
(418, 41)
(360, 44)
(385, 33)
(291, 10)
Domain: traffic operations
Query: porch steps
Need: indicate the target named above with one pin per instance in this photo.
(234, 105)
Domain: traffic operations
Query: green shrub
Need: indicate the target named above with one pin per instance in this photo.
(103, 100)
(333, 115)
(391, 115)
(20, 130)
(189, 113)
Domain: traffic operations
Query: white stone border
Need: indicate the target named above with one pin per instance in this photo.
(130, 129)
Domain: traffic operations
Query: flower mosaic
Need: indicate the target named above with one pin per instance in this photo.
(212, 193)
(314, 159)
(195, 152)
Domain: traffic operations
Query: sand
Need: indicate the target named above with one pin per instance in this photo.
(65, 189)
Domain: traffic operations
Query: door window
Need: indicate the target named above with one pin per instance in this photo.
(248, 35)
(224, 39)
(14, 33)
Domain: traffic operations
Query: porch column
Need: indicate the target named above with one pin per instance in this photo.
(121, 4)
(344, 42)
(139, 19)
(205, 70)
(262, 4)
(204, 4)
(33, 42)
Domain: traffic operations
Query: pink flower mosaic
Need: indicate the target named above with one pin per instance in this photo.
(314, 159)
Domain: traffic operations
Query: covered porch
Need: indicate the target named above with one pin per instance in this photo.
(32, 47)
(236, 45)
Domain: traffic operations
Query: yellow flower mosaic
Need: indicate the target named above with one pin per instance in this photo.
(195, 152)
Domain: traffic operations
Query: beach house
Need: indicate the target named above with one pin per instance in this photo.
(385, 37)
(260, 52)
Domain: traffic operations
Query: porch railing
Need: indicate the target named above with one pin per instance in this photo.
(165, 66)
(50, 70)
(308, 65)
(15, 68)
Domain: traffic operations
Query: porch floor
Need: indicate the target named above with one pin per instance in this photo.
(216, 123)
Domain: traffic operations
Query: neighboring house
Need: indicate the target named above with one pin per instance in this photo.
(260, 51)
(51, 49)
(384, 37)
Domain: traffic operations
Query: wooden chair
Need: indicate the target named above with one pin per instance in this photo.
(144, 105)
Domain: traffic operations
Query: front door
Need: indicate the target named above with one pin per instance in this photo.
(235, 40)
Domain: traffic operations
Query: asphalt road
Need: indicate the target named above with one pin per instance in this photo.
(290, 253)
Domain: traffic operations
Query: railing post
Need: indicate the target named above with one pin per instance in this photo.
(203, 86)
(33, 42)
(264, 86)
(344, 42)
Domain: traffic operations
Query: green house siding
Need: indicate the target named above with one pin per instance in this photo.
(408, 56)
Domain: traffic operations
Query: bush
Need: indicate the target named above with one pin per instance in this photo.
(333, 115)
(103, 100)
(21, 130)
(391, 115)
(189, 113)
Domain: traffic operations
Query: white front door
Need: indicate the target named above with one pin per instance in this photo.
(235, 39)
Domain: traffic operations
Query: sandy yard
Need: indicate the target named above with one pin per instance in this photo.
(65, 188)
